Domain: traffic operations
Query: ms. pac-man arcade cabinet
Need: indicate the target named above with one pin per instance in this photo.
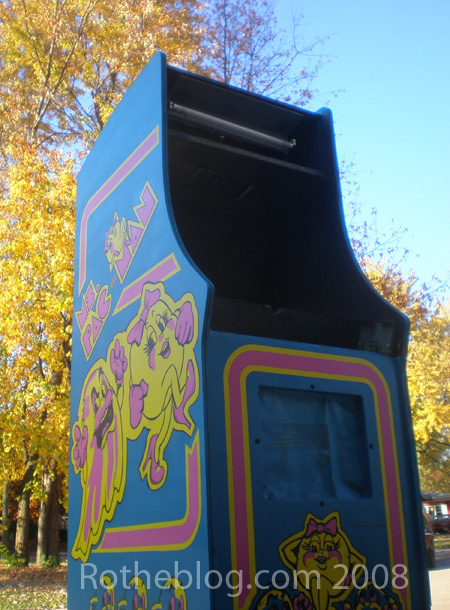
(240, 434)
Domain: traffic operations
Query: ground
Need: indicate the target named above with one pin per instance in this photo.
(33, 588)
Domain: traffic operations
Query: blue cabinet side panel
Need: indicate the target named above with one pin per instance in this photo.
(312, 476)
(138, 509)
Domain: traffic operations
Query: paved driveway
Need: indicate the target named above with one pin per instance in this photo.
(440, 581)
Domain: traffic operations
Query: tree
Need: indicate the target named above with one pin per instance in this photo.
(248, 49)
(429, 387)
(36, 220)
(48, 541)
(64, 66)
(428, 367)
(5, 515)
(429, 348)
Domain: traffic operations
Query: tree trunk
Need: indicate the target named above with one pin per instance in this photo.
(5, 516)
(23, 513)
(48, 525)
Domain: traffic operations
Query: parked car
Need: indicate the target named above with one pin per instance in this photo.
(429, 539)
(441, 523)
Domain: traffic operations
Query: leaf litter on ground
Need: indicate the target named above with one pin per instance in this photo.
(33, 587)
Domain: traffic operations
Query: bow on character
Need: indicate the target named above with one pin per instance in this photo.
(135, 334)
(330, 527)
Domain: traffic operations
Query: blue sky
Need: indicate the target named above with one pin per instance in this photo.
(391, 61)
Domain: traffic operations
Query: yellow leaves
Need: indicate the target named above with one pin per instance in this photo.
(402, 292)
(67, 64)
(429, 374)
(428, 364)
(36, 272)
(64, 66)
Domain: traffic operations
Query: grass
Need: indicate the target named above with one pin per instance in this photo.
(36, 588)
(442, 541)
(32, 588)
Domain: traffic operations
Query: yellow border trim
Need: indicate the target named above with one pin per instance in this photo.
(246, 371)
(166, 524)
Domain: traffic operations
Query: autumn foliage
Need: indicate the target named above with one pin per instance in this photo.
(37, 219)
(247, 48)
(64, 66)
(428, 366)
(33, 587)
(427, 306)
